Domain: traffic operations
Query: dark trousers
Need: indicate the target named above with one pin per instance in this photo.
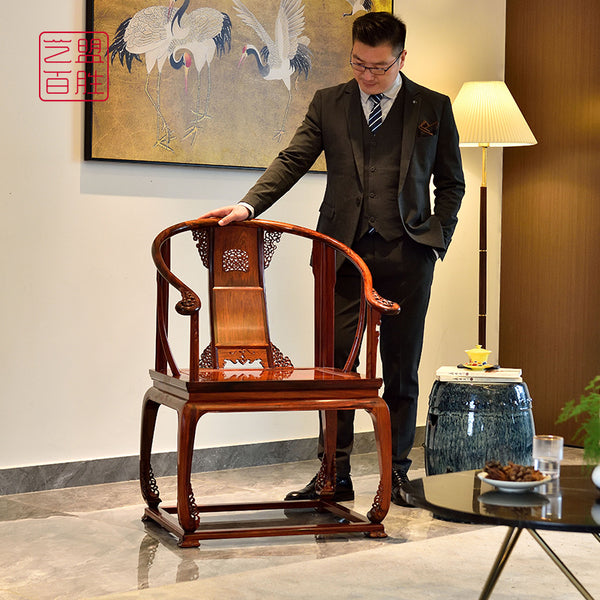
(402, 271)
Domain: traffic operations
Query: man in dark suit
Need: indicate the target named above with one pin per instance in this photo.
(385, 139)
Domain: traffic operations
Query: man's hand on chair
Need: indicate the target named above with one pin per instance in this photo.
(228, 214)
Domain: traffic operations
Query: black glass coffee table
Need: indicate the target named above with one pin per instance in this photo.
(570, 504)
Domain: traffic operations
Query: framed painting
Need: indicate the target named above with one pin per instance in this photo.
(208, 82)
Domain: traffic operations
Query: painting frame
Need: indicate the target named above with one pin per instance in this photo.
(208, 104)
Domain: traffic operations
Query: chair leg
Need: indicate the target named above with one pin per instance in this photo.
(187, 510)
(148, 485)
(327, 476)
(380, 415)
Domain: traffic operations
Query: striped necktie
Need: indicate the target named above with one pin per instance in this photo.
(375, 117)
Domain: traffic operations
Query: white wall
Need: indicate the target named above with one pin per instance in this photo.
(78, 294)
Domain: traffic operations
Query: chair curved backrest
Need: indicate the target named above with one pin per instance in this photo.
(236, 257)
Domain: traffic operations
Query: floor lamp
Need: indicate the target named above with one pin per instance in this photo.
(486, 116)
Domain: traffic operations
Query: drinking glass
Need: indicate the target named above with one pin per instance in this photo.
(547, 454)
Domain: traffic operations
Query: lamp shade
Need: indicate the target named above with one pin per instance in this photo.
(487, 115)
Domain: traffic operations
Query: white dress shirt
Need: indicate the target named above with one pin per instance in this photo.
(386, 102)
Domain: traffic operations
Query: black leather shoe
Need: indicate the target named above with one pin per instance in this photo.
(343, 490)
(398, 479)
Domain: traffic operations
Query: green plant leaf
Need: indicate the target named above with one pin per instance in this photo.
(586, 412)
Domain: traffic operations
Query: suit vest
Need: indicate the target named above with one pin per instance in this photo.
(382, 151)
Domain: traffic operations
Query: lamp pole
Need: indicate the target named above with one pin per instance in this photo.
(483, 248)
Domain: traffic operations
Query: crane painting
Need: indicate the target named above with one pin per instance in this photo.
(217, 83)
(285, 55)
(157, 33)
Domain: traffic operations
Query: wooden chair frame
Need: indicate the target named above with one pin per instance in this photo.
(207, 387)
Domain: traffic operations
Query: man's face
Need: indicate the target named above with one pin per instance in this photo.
(376, 56)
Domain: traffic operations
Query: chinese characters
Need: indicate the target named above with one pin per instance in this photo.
(73, 66)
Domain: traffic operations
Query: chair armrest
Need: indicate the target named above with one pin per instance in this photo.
(382, 305)
(190, 302)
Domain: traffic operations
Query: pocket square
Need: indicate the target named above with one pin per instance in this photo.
(426, 128)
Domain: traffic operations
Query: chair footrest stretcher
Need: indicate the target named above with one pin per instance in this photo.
(301, 517)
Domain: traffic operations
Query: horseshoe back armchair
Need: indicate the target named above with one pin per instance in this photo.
(240, 370)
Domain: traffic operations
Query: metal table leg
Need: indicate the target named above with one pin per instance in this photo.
(559, 563)
(505, 550)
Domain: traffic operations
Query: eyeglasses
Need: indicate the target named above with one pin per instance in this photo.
(360, 68)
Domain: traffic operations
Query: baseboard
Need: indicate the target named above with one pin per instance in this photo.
(38, 478)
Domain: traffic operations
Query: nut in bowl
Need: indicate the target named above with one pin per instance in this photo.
(511, 477)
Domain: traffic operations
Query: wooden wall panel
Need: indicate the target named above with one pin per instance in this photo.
(550, 270)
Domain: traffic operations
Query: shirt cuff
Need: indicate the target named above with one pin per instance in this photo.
(249, 207)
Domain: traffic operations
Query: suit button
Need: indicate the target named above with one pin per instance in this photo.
(372, 195)
(372, 169)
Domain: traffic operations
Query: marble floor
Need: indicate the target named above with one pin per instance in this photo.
(89, 542)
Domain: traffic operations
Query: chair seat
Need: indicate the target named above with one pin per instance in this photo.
(276, 380)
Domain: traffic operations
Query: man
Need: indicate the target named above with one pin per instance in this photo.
(384, 138)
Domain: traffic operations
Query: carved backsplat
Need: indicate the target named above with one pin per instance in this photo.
(239, 332)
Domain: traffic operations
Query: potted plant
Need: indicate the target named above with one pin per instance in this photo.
(586, 410)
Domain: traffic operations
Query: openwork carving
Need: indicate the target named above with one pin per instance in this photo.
(321, 477)
(242, 364)
(246, 358)
(236, 260)
(201, 238)
(242, 358)
(271, 239)
(206, 359)
(193, 507)
(279, 359)
(376, 514)
(152, 485)
(149, 486)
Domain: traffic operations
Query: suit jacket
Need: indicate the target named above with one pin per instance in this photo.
(429, 148)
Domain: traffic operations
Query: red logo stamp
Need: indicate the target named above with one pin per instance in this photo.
(73, 66)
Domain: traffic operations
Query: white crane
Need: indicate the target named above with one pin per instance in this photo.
(203, 32)
(287, 54)
(149, 32)
(358, 5)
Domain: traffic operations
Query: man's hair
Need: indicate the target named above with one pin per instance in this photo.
(379, 28)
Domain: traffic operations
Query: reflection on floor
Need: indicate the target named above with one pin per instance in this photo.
(89, 541)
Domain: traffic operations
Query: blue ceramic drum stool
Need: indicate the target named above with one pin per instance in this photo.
(470, 423)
